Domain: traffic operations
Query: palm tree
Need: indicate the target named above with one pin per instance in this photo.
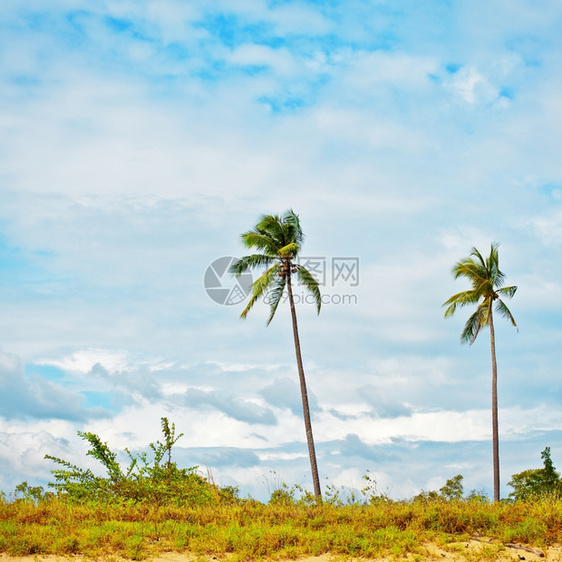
(487, 287)
(279, 239)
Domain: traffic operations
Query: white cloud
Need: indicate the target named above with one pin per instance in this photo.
(472, 87)
(549, 228)
(82, 361)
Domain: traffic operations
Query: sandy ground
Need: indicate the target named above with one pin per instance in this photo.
(467, 551)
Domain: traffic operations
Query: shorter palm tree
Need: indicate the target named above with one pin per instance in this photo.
(279, 239)
(487, 287)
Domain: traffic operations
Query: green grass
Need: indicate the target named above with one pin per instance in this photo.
(248, 529)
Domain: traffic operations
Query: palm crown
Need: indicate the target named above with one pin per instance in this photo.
(279, 238)
(487, 286)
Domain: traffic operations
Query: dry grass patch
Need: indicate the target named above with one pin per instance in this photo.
(249, 530)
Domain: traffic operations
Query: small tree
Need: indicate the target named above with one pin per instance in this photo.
(535, 483)
(453, 489)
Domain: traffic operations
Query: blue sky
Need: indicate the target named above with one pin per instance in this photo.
(139, 139)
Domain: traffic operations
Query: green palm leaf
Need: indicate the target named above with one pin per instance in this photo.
(260, 287)
(307, 279)
(508, 292)
(275, 293)
(459, 300)
(504, 312)
(250, 262)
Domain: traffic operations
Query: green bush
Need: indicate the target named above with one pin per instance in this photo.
(156, 480)
(536, 483)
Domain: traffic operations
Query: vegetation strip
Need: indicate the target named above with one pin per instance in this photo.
(247, 529)
(152, 507)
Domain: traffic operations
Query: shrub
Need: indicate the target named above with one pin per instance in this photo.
(157, 481)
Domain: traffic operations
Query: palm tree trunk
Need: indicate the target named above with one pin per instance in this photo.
(304, 396)
(495, 423)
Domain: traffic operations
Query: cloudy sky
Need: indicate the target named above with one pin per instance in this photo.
(139, 139)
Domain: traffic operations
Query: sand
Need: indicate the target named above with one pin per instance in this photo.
(466, 551)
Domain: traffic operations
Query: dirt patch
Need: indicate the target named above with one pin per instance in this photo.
(476, 550)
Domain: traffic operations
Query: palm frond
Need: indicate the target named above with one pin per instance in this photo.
(503, 311)
(261, 241)
(507, 291)
(461, 299)
(272, 226)
(293, 227)
(260, 287)
(274, 296)
(473, 325)
(307, 279)
(253, 299)
(468, 268)
(493, 263)
(250, 262)
(474, 252)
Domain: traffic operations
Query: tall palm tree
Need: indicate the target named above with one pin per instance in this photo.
(279, 239)
(487, 287)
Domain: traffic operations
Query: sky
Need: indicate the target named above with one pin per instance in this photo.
(139, 139)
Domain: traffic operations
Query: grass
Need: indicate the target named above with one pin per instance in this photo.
(248, 529)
